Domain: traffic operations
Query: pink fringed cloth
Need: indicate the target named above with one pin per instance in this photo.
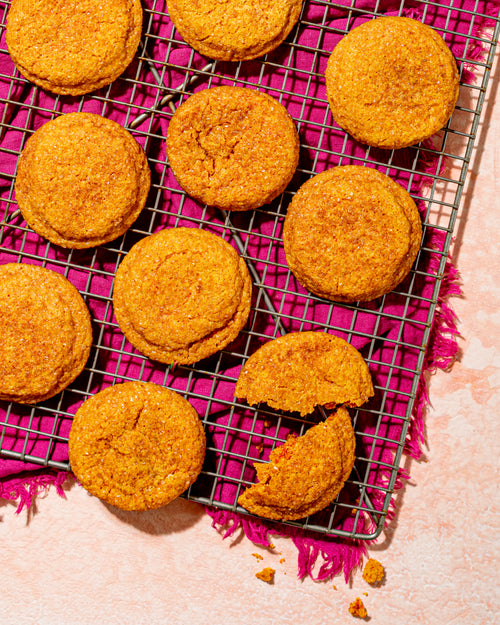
(400, 325)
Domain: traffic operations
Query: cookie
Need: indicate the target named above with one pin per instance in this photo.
(45, 333)
(82, 180)
(234, 30)
(305, 474)
(302, 370)
(73, 47)
(392, 82)
(181, 295)
(232, 147)
(351, 234)
(136, 445)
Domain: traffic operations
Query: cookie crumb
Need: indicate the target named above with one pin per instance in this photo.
(266, 575)
(258, 556)
(282, 560)
(373, 572)
(335, 588)
(357, 608)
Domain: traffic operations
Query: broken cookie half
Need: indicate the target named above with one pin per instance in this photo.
(298, 372)
(302, 370)
(305, 474)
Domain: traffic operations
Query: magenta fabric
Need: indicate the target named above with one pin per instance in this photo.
(318, 557)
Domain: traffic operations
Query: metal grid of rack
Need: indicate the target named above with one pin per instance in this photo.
(392, 333)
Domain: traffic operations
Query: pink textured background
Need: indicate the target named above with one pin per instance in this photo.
(76, 560)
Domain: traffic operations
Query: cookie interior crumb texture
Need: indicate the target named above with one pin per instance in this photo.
(351, 233)
(181, 295)
(136, 445)
(392, 82)
(45, 333)
(76, 46)
(266, 575)
(357, 608)
(373, 572)
(305, 474)
(301, 370)
(232, 147)
(235, 30)
(82, 180)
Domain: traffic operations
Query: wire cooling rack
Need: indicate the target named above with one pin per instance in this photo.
(392, 332)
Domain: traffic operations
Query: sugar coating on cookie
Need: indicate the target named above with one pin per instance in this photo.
(235, 30)
(306, 473)
(351, 234)
(302, 370)
(181, 295)
(232, 147)
(82, 180)
(73, 47)
(136, 445)
(392, 82)
(45, 333)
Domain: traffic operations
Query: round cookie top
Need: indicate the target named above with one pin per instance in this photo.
(305, 474)
(232, 147)
(136, 445)
(76, 46)
(351, 234)
(302, 370)
(82, 180)
(392, 82)
(234, 30)
(45, 333)
(181, 295)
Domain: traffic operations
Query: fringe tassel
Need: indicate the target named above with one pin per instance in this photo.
(26, 490)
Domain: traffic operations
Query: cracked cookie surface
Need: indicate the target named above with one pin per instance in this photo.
(82, 180)
(232, 147)
(306, 473)
(234, 30)
(392, 82)
(136, 445)
(45, 333)
(302, 370)
(351, 234)
(181, 295)
(73, 47)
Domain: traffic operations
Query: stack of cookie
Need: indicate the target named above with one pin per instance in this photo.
(183, 294)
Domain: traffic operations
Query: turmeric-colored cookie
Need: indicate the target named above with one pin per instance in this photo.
(181, 295)
(392, 82)
(351, 234)
(234, 30)
(305, 474)
(232, 147)
(136, 445)
(76, 46)
(82, 180)
(45, 333)
(301, 370)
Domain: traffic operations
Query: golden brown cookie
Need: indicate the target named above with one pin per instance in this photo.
(136, 445)
(232, 147)
(392, 82)
(305, 474)
(351, 234)
(76, 46)
(45, 333)
(302, 370)
(82, 180)
(234, 30)
(181, 295)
